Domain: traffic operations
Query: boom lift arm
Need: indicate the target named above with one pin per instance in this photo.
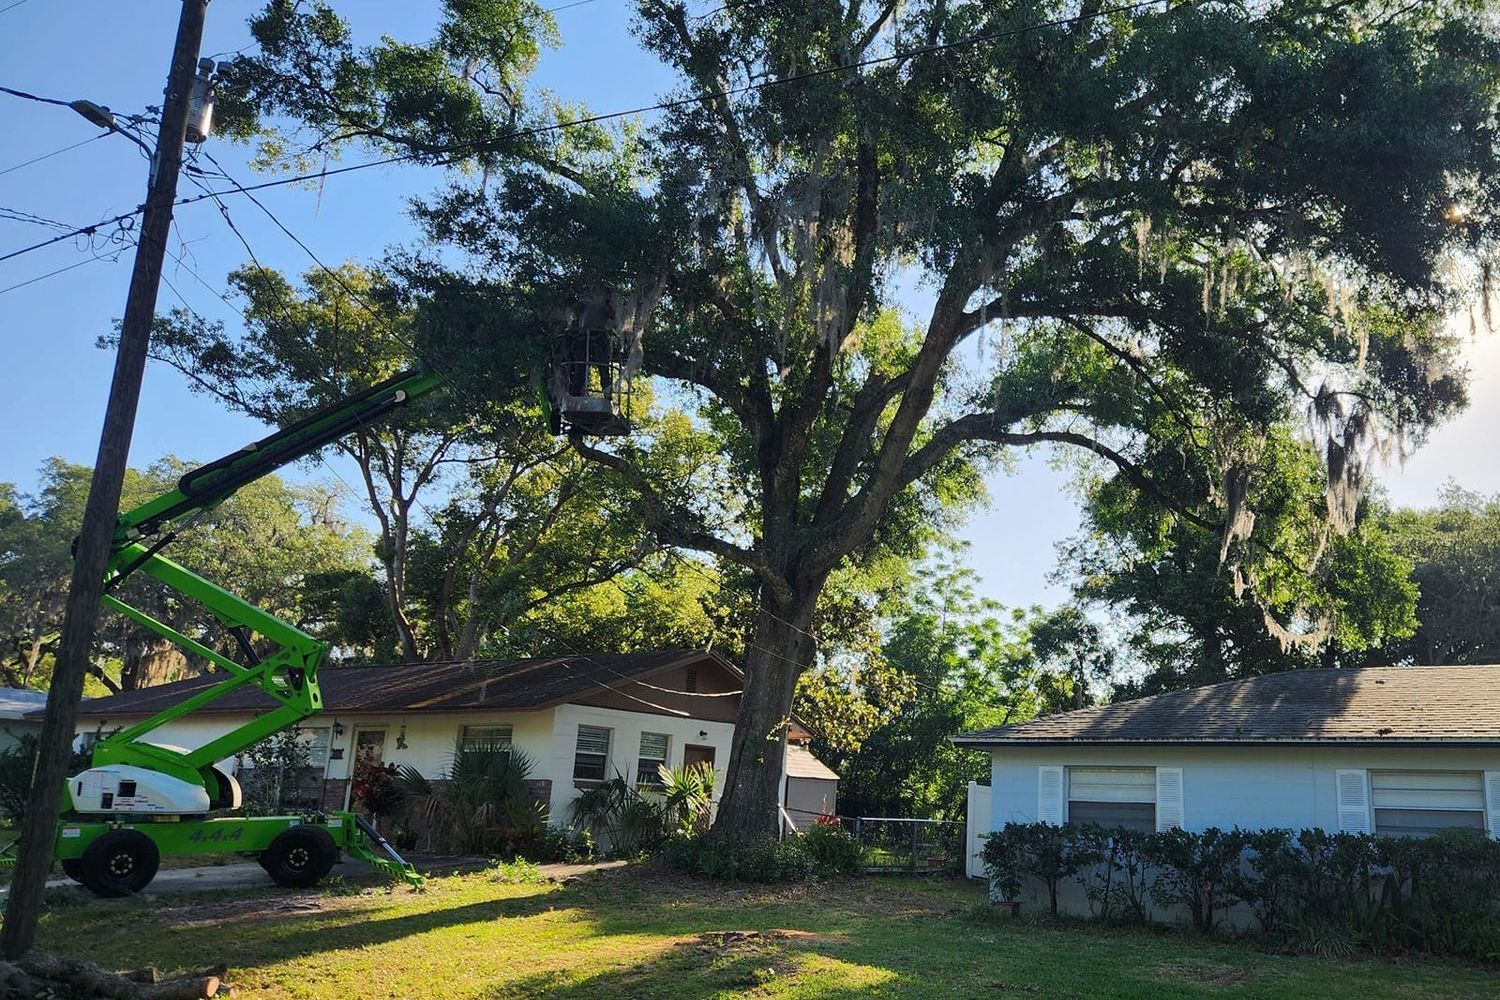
(290, 673)
(140, 798)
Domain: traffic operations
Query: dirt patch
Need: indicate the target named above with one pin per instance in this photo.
(727, 941)
(1209, 974)
(211, 913)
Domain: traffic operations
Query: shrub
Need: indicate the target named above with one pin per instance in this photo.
(831, 848)
(1317, 892)
(1094, 855)
(564, 844)
(1037, 850)
(1275, 868)
(1198, 871)
(616, 813)
(480, 805)
(517, 871)
(767, 860)
(273, 770)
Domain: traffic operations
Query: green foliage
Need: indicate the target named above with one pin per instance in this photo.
(17, 763)
(882, 717)
(1320, 893)
(687, 798)
(272, 772)
(832, 849)
(765, 859)
(1199, 872)
(516, 871)
(1188, 220)
(1040, 851)
(480, 805)
(621, 817)
(264, 543)
(1324, 598)
(1454, 550)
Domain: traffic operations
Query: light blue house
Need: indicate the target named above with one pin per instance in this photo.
(1384, 750)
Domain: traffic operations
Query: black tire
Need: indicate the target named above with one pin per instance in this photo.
(300, 856)
(120, 863)
(72, 868)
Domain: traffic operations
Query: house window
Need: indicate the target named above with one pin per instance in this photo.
(1113, 797)
(591, 756)
(484, 737)
(317, 739)
(1418, 803)
(653, 758)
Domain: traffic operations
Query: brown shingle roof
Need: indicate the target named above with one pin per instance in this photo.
(800, 763)
(1370, 704)
(419, 687)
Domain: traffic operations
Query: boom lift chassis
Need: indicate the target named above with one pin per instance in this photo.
(142, 800)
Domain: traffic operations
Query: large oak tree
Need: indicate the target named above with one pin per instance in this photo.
(1163, 230)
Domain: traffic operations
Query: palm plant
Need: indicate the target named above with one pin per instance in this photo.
(687, 797)
(480, 803)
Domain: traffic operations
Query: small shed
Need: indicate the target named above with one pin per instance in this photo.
(812, 787)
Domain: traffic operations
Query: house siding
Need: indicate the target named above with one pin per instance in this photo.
(548, 737)
(1249, 787)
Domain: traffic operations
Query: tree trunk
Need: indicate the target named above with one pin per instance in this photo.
(151, 661)
(781, 649)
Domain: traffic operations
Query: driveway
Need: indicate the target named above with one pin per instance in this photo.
(249, 875)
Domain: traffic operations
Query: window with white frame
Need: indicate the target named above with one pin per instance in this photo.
(317, 739)
(484, 737)
(1113, 797)
(653, 757)
(591, 756)
(1418, 803)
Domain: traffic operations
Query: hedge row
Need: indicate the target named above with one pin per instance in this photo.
(1322, 892)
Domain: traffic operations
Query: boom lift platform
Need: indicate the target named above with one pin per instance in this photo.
(141, 800)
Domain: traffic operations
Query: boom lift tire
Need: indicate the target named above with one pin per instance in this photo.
(120, 863)
(72, 869)
(300, 856)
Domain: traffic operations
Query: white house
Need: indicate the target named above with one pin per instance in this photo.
(1384, 750)
(580, 719)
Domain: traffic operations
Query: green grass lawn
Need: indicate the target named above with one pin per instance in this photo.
(643, 933)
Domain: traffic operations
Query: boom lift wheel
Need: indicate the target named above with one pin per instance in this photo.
(120, 863)
(300, 856)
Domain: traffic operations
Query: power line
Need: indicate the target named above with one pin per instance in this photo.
(55, 152)
(60, 270)
(33, 97)
(13, 6)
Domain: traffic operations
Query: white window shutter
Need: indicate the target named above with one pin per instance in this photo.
(1492, 801)
(1049, 795)
(1354, 800)
(1168, 797)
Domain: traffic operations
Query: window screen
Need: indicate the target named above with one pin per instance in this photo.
(1418, 803)
(592, 755)
(653, 756)
(484, 737)
(1113, 796)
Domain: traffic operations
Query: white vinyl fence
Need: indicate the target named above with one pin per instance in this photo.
(978, 828)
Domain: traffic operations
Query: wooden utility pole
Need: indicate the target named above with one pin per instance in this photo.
(39, 824)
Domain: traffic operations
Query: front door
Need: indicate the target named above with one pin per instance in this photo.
(692, 754)
(369, 757)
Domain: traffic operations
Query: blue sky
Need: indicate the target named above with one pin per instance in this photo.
(115, 52)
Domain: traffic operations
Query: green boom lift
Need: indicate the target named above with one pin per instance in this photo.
(142, 800)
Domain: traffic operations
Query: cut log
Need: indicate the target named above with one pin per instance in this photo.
(184, 988)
